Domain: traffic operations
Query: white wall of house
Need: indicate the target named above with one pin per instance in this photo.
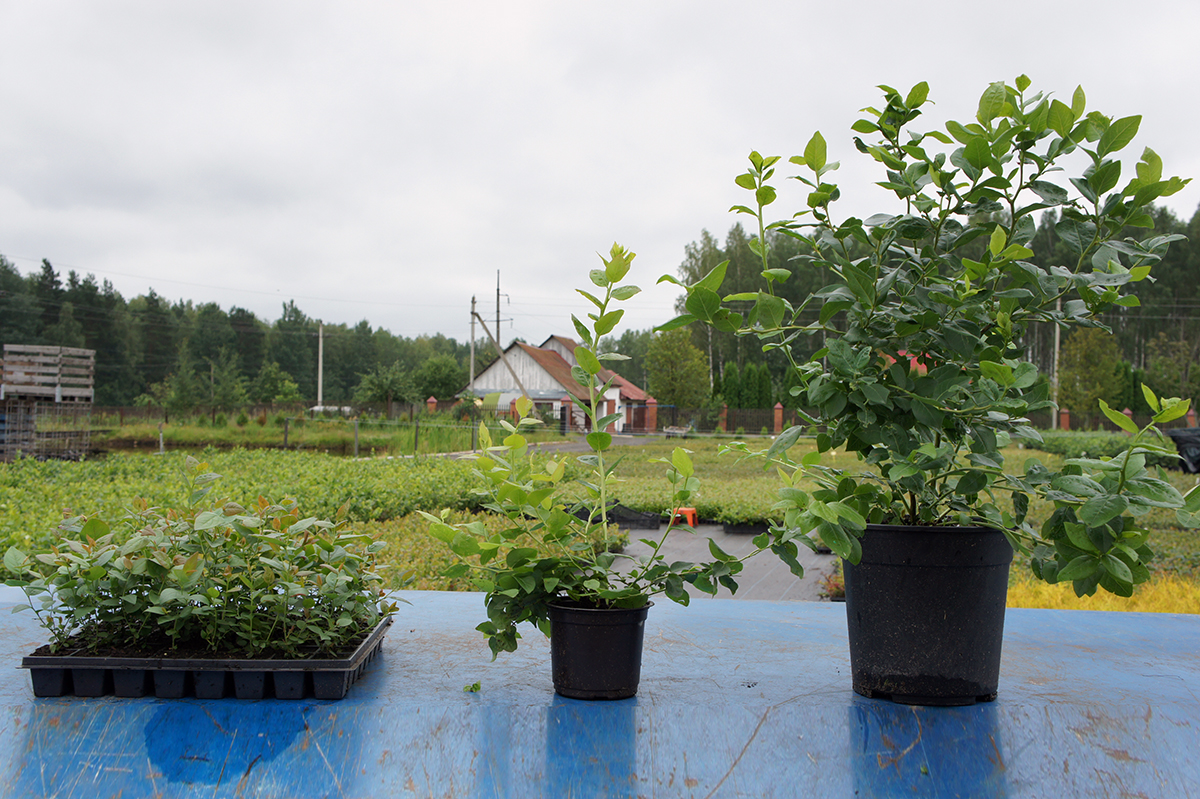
(497, 377)
(542, 387)
(557, 346)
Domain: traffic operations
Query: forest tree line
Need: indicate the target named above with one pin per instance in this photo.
(150, 350)
(153, 351)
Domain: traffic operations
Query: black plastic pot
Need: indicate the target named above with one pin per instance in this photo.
(596, 653)
(925, 612)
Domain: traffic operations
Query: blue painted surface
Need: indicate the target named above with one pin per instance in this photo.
(738, 699)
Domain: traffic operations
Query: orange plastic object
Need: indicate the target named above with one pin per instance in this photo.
(689, 515)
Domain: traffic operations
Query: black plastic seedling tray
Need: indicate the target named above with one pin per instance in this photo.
(166, 678)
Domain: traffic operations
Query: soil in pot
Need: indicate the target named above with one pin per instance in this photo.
(596, 653)
(925, 613)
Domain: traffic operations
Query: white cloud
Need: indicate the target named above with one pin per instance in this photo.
(383, 160)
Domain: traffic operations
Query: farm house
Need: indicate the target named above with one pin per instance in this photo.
(545, 373)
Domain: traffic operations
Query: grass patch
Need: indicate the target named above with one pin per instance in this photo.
(1162, 594)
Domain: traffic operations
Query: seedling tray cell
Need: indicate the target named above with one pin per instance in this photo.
(86, 675)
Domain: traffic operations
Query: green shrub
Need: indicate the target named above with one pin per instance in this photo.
(36, 495)
(207, 575)
(1092, 444)
(242, 419)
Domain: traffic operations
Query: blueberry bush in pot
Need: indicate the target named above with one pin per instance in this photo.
(916, 344)
(556, 566)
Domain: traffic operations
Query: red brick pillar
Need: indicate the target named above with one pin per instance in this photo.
(1128, 415)
(1191, 417)
(651, 414)
(1064, 419)
(431, 404)
(724, 415)
(778, 418)
(610, 407)
(570, 406)
(512, 409)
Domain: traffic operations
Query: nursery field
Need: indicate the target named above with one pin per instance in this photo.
(428, 434)
(382, 495)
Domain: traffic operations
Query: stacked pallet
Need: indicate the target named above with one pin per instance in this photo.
(45, 401)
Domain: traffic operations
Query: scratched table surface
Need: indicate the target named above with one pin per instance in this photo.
(738, 699)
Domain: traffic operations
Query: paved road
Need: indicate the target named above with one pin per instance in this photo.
(763, 577)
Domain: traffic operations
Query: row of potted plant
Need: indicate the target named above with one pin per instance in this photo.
(918, 371)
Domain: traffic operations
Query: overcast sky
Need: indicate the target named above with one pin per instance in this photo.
(384, 160)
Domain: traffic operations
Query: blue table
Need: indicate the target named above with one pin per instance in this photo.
(738, 699)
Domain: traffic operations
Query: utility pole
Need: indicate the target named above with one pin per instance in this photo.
(320, 364)
(471, 384)
(497, 308)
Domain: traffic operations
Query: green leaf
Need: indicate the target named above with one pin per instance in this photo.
(713, 280)
(815, 152)
(1078, 102)
(608, 321)
(702, 303)
(623, 293)
(1075, 234)
(718, 553)
(618, 264)
(14, 560)
(681, 462)
(1077, 485)
(972, 482)
(1119, 134)
(209, 519)
(784, 441)
(1149, 169)
(1105, 177)
(95, 528)
(991, 103)
(682, 320)
(960, 134)
(1079, 568)
(850, 515)
(172, 595)
(1155, 493)
(587, 360)
(1023, 83)
(1101, 510)
(978, 153)
(1171, 412)
(1061, 118)
(599, 441)
(917, 95)
(997, 240)
(1119, 419)
(1151, 399)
